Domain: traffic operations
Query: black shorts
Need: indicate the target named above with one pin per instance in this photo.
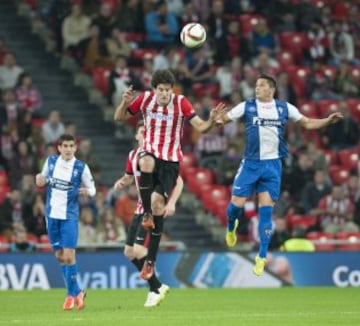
(165, 175)
(136, 233)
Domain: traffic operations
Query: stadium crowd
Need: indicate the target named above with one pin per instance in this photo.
(312, 47)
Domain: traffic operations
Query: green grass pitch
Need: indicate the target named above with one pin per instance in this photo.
(284, 306)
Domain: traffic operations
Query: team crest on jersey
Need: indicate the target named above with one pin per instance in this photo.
(75, 173)
(252, 108)
(51, 167)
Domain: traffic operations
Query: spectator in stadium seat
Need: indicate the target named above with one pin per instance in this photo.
(117, 45)
(285, 91)
(9, 109)
(263, 38)
(344, 83)
(147, 72)
(126, 204)
(313, 191)
(228, 165)
(283, 15)
(345, 134)
(105, 20)
(36, 224)
(280, 234)
(263, 63)
(306, 13)
(3, 50)
(130, 17)
(317, 48)
(190, 14)
(21, 243)
(316, 155)
(28, 96)
(9, 72)
(168, 58)
(75, 28)
(161, 27)
(53, 128)
(336, 212)
(87, 227)
(247, 84)
(110, 229)
(199, 66)
(236, 44)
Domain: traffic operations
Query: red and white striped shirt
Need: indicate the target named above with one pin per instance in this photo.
(132, 168)
(163, 124)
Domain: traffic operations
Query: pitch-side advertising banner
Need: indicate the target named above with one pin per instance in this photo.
(111, 270)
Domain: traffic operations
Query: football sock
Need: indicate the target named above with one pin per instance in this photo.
(153, 282)
(155, 237)
(233, 212)
(64, 272)
(265, 229)
(71, 280)
(146, 189)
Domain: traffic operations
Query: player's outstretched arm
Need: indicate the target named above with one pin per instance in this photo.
(121, 110)
(205, 126)
(310, 124)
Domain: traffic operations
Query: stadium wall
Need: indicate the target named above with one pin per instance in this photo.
(111, 270)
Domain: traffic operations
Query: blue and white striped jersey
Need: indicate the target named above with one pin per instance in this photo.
(64, 179)
(265, 123)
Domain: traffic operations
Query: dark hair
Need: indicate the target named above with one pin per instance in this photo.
(65, 137)
(162, 76)
(270, 80)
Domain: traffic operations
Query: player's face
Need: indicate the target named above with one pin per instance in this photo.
(140, 135)
(67, 150)
(263, 91)
(163, 93)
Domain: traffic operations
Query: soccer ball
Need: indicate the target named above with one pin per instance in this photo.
(193, 35)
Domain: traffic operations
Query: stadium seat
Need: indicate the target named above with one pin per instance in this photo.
(4, 243)
(301, 221)
(4, 190)
(32, 238)
(349, 159)
(248, 23)
(327, 106)
(308, 108)
(323, 241)
(213, 195)
(298, 76)
(331, 157)
(294, 42)
(100, 77)
(200, 176)
(355, 73)
(285, 59)
(45, 243)
(221, 208)
(188, 161)
(350, 240)
(354, 107)
(330, 72)
(135, 37)
(4, 179)
(201, 90)
(141, 53)
(339, 175)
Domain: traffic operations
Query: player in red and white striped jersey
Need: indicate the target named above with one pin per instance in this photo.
(164, 114)
(135, 248)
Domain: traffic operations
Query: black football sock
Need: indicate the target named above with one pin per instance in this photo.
(146, 188)
(153, 282)
(155, 237)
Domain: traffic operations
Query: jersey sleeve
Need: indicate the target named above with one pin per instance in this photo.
(294, 113)
(186, 108)
(236, 112)
(135, 105)
(88, 181)
(128, 167)
(45, 169)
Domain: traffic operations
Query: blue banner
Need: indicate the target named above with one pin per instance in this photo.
(111, 270)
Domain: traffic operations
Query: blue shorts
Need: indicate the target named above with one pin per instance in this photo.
(258, 176)
(62, 233)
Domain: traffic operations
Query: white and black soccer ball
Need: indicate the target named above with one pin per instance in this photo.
(193, 35)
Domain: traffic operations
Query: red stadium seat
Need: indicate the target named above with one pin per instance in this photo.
(285, 59)
(308, 108)
(211, 196)
(135, 37)
(199, 177)
(354, 107)
(294, 42)
(201, 90)
(349, 159)
(351, 240)
(32, 238)
(141, 53)
(298, 76)
(188, 162)
(339, 175)
(248, 23)
(355, 73)
(4, 190)
(327, 106)
(303, 221)
(45, 243)
(100, 79)
(4, 243)
(323, 241)
(221, 209)
(330, 72)
(4, 179)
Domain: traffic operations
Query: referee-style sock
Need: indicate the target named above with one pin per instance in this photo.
(153, 281)
(146, 188)
(265, 229)
(233, 212)
(71, 280)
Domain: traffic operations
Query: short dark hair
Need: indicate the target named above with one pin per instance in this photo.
(270, 80)
(162, 76)
(65, 137)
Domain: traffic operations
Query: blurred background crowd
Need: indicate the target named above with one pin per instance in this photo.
(312, 48)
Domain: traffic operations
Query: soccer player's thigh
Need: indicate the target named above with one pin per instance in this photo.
(246, 178)
(54, 232)
(166, 177)
(69, 231)
(270, 180)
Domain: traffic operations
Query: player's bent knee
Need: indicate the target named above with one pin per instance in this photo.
(140, 251)
(129, 252)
